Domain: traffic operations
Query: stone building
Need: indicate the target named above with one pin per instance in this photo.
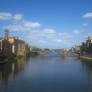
(0, 46)
(12, 45)
(5, 46)
(86, 48)
(18, 46)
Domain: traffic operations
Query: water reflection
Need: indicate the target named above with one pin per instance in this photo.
(87, 66)
(63, 57)
(10, 70)
(49, 73)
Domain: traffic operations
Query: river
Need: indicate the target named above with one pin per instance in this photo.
(49, 73)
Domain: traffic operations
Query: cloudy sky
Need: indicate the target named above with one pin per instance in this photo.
(47, 23)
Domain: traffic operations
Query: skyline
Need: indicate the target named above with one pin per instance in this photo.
(47, 23)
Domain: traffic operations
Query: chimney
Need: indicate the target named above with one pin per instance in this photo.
(6, 35)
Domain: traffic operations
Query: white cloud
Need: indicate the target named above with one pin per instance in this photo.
(41, 38)
(44, 33)
(85, 24)
(41, 41)
(87, 15)
(65, 35)
(49, 31)
(59, 41)
(25, 26)
(76, 31)
(5, 16)
(89, 34)
(17, 16)
(32, 24)
(14, 27)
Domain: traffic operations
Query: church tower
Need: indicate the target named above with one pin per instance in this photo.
(6, 35)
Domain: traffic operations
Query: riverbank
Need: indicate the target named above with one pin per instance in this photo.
(13, 57)
(83, 57)
(86, 58)
(75, 54)
(32, 54)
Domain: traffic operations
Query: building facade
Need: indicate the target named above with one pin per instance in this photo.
(13, 45)
(18, 46)
(86, 48)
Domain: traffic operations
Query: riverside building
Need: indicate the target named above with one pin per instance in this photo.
(13, 45)
(86, 48)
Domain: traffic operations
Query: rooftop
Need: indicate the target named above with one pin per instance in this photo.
(90, 38)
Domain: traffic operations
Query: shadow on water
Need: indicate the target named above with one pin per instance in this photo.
(11, 70)
(63, 57)
(87, 66)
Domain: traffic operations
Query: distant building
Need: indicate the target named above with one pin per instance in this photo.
(75, 49)
(32, 48)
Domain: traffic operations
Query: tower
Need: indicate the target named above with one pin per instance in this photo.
(6, 35)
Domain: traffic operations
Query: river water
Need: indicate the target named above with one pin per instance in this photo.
(50, 73)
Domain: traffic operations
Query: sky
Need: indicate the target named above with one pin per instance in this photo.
(53, 24)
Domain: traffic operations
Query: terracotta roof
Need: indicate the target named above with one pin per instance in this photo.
(90, 38)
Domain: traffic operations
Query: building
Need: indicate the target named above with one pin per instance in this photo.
(0, 44)
(5, 46)
(18, 46)
(75, 49)
(86, 47)
(33, 48)
(13, 45)
(6, 35)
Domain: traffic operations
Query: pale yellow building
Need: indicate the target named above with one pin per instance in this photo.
(18, 46)
(12, 45)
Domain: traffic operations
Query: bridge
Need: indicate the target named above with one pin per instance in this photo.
(43, 52)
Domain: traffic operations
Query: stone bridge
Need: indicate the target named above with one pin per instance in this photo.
(41, 52)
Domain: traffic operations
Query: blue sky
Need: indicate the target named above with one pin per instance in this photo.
(47, 23)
